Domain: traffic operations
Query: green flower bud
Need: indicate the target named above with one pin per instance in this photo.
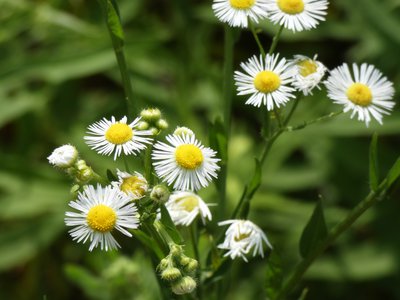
(185, 285)
(192, 266)
(175, 251)
(159, 193)
(184, 260)
(164, 263)
(154, 130)
(162, 124)
(171, 274)
(151, 114)
(84, 172)
(143, 125)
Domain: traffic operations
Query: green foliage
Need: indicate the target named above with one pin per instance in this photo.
(373, 164)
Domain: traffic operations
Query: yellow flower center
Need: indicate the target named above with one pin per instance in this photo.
(242, 4)
(267, 81)
(188, 203)
(241, 236)
(134, 185)
(188, 156)
(119, 133)
(307, 67)
(101, 218)
(359, 94)
(291, 7)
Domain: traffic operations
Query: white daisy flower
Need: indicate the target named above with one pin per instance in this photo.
(107, 137)
(184, 207)
(134, 185)
(185, 162)
(237, 12)
(365, 91)
(64, 156)
(241, 237)
(266, 80)
(100, 210)
(307, 73)
(297, 15)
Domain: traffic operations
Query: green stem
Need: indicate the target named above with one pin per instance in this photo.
(275, 40)
(320, 119)
(110, 12)
(99, 179)
(277, 116)
(147, 165)
(126, 164)
(302, 267)
(194, 238)
(255, 35)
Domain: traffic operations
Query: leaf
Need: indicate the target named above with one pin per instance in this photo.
(394, 173)
(113, 21)
(251, 189)
(111, 176)
(373, 163)
(170, 226)
(314, 232)
(149, 242)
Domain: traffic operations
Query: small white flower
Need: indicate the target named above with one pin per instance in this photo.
(237, 12)
(134, 185)
(100, 210)
(107, 136)
(365, 91)
(297, 15)
(307, 73)
(184, 162)
(266, 80)
(184, 207)
(241, 237)
(64, 156)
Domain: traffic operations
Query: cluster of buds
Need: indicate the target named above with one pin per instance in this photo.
(178, 269)
(151, 120)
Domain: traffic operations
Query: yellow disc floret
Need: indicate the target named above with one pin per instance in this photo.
(267, 82)
(291, 7)
(134, 185)
(188, 156)
(188, 203)
(359, 94)
(101, 218)
(307, 67)
(119, 133)
(242, 4)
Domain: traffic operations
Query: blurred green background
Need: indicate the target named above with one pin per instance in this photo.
(58, 74)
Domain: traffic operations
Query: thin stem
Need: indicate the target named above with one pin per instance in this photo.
(320, 119)
(302, 267)
(255, 35)
(126, 164)
(277, 116)
(194, 238)
(275, 40)
(118, 44)
(147, 164)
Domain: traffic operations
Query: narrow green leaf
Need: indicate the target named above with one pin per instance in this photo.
(111, 176)
(373, 163)
(114, 22)
(170, 226)
(218, 140)
(148, 242)
(314, 232)
(394, 173)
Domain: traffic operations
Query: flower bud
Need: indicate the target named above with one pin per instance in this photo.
(192, 265)
(143, 125)
(171, 274)
(154, 130)
(84, 172)
(64, 156)
(185, 285)
(164, 263)
(184, 260)
(151, 114)
(162, 124)
(175, 251)
(183, 131)
(159, 194)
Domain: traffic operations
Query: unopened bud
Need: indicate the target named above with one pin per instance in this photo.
(164, 263)
(84, 172)
(183, 131)
(154, 130)
(159, 194)
(171, 274)
(184, 260)
(64, 156)
(162, 124)
(151, 114)
(143, 125)
(175, 251)
(185, 285)
(192, 265)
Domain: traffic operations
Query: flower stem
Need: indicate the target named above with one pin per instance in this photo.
(255, 35)
(305, 124)
(275, 40)
(302, 267)
(194, 238)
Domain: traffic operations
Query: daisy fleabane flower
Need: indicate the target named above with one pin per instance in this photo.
(365, 91)
(64, 156)
(297, 15)
(184, 207)
(108, 136)
(242, 237)
(307, 73)
(267, 80)
(134, 185)
(100, 210)
(237, 12)
(185, 162)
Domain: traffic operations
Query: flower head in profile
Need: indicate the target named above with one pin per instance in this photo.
(237, 12)
(267, 80)
(307, 73)
(242, 237)
(108, 136)
(64, 156)
(184, 162)
(297, 15)
(364, 91)
(100, 211)
(184, 207)
(134, 185)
